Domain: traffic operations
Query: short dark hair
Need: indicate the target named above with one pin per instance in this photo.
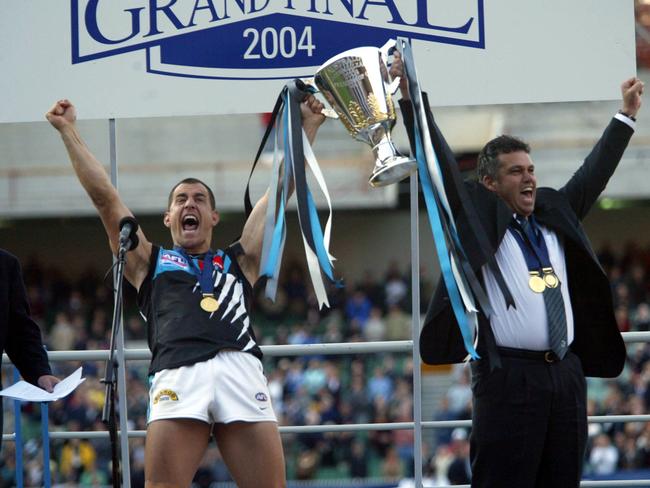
(192, 181)
(488, 158)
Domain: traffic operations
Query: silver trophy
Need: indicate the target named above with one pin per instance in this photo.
(356, 85)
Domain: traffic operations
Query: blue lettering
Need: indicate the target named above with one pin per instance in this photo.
(240, 3)
(423, 20)
(90, 17)
(253, 9)
(347, 4)
(312, 8)
(153, 16)
(209, 5)
(389, 4)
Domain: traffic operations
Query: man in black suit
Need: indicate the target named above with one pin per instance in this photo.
(20, 336)
(529, 404)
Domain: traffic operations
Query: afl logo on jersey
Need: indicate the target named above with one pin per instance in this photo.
(261, 397)
(171, 259)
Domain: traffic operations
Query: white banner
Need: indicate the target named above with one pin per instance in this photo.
(139, 58)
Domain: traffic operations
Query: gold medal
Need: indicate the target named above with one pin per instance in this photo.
(209, 303)
(550, 278)
(536, 282)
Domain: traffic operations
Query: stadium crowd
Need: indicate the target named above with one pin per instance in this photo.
(312, 390)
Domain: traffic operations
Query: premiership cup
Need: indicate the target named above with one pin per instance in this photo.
(356, 85)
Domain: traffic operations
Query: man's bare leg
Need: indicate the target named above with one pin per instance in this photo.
(253, 453)
(173, 451)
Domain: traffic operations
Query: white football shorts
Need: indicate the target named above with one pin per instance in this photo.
(229, 387)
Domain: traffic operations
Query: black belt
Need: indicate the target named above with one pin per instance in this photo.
(544, 356)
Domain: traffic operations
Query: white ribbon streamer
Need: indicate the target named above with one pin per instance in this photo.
(318, 174)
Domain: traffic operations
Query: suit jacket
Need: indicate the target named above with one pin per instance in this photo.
(20, 336)
(597, 340)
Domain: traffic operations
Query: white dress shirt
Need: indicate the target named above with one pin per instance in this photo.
(526, 326)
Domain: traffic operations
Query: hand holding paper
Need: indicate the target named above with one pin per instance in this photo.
(29, 393)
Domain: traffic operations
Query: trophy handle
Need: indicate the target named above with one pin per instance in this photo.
(385, 50)
(310, 85)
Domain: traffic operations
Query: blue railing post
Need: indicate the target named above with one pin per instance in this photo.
(18, 431)
(45, 434)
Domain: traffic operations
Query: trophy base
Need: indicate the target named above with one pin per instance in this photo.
(392, 171)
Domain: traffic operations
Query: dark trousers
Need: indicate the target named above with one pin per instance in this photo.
(529, 423)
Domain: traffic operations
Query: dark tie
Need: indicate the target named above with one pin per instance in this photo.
(554, 303)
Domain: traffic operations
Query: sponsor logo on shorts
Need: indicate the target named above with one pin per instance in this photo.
(165, 395)
(261, 397)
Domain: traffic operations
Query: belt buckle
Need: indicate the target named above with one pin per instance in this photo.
(550, 357)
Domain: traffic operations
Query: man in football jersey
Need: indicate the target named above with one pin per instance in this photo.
(206, 374)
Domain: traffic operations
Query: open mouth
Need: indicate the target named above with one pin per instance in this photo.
(190, 223)
(527, 193)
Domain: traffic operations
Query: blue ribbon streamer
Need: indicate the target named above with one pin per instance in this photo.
(321, 252)
(441, 246)
(274, 252)
(287, 110)
(280, 224)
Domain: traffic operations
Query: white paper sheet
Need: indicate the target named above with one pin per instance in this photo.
(29, 393)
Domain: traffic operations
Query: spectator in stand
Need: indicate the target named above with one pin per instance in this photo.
(637, 283)
(372, 289)
(442, 436)
(332, 378)
(403, 438)
(459, 394)
(381, 440)
(358, 460)
(134, 329)
(358, 307)
(357, 396)
(621, 294)
(77, 456)
(314, 377)
(622, 318)
(62, 335)
(604, 456)
(375, 328)
(395, 288)
(643, 447)
(641, 318)
(333, 327)
(460, 471)
(380, 385)
(398, 324)
(392, 466)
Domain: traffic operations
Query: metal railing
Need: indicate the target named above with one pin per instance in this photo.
(336, 349)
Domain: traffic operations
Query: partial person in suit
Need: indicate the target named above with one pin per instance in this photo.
(529, 425)
(20, 336)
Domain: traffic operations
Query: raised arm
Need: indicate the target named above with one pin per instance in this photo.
(253, 233)
(95, 180)
(589, 181)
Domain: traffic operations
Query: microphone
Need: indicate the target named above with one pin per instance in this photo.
(128, 236)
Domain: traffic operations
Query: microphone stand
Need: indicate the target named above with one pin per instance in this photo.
(109, 418)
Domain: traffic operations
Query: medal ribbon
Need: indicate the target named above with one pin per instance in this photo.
(203, 270)
(532, 244)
